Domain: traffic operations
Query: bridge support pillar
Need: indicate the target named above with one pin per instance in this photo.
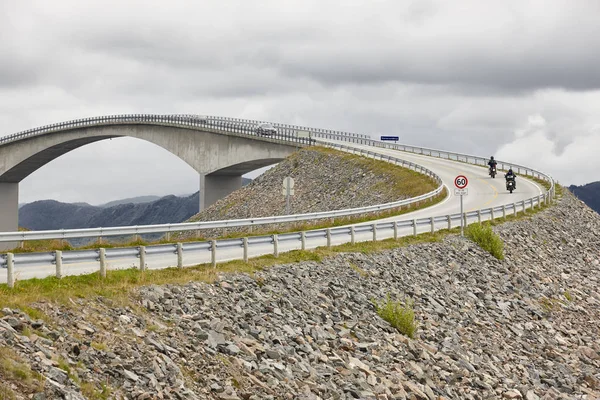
(9, 211)
(214, 187)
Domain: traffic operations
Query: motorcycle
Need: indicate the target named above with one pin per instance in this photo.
(510, 185)
(492, 171)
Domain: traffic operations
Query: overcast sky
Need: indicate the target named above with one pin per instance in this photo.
(517, 79)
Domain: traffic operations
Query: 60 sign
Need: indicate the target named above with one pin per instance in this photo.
(461, 181)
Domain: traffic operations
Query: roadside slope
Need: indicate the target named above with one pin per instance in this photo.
(324, 180)
(524, 327)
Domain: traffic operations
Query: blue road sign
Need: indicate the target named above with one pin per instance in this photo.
(394, 138)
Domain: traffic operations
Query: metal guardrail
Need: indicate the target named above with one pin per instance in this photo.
(324, 237)
(220, 124)
(64, 234)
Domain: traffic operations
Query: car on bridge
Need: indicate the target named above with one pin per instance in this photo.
(194, 118)
(265, 129)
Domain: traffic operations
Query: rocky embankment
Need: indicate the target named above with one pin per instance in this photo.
(527, 327)
(324, 180)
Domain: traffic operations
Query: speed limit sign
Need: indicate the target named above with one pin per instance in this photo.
(461, 181)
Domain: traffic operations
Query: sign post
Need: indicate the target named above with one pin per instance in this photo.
(461, 190)
(288, 190)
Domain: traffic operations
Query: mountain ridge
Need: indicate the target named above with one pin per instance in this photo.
(589, 194)
(53, 214)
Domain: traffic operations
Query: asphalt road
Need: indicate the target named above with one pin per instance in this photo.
(483, 192)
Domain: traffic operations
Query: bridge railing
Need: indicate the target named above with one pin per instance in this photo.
(181, 121)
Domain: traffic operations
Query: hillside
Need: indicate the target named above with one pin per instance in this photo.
(134, 200)
(324, 180)
(522, 328)
(51, 214)
(589, 194)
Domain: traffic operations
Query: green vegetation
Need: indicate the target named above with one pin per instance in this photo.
(400, 315)
(401, 180)
(484, 236)
(99, 346)
(359, 270)
(12, 369)
(89, 390)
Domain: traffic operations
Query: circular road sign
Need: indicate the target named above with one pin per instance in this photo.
(461, 181)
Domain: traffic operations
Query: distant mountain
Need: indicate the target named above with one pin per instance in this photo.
(589, 194)
(134, 200)
(142, 210)
(51, 214)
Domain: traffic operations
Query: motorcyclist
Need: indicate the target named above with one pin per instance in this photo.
(492, 163)
(510, 175)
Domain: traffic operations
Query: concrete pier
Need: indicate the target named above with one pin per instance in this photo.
(9, 211)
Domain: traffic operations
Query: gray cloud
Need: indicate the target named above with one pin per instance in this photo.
(466, 76)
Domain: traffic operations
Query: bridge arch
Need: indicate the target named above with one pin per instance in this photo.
(220, 158)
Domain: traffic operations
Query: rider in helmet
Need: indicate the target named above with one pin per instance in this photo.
(492, 163)
(510, 175)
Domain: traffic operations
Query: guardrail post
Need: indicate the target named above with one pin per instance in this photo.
(479, 216)
(432, 222)
(395, 230)
(352, 235)
(503, 210)
(179, 255)
(58, 261)
(275, 246)
(142, 252)
(449, 219)
(213, 253)
(102, 252)
(493, 216)
(245, 246)
(328, 235)
(539, 201)
(168, 236)
(10, 270)
(374, 227)
(303, 240)
(414, 224)
(515, 209)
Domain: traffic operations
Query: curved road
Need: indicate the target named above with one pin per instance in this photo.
(484, 192)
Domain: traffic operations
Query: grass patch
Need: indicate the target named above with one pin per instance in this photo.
(484, 236)
(99, 346)
(568, 296)
(400, 315)
(359, 270)
(91, 392)
(551, 304)
(13, 369)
